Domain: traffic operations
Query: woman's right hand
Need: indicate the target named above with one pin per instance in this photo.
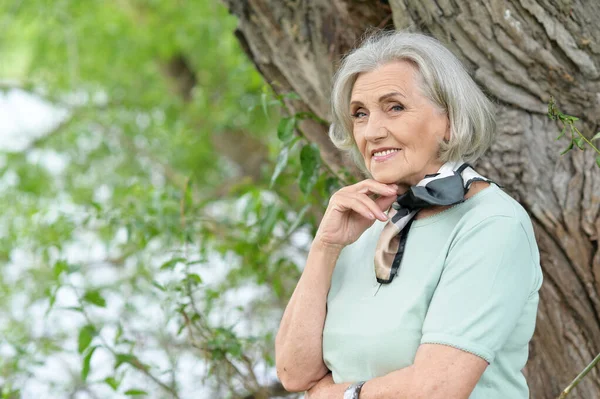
(351, 211)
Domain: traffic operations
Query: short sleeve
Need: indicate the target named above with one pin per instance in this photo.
(487, 278)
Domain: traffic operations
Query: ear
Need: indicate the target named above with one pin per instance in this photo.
(447, 133)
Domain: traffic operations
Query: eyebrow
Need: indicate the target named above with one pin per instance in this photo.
(383, 98)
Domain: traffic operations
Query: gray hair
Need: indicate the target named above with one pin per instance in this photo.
(444, 81)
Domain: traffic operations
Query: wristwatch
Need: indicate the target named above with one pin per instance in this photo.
(353, 390)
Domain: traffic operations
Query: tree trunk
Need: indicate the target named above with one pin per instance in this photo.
(521, 52)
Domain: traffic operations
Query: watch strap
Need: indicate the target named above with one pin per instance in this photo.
(353, 390)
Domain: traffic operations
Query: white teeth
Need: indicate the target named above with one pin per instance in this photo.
(386, 152)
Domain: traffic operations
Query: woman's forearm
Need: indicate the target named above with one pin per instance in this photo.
(438, 372)
(398, 384)
(298, 346)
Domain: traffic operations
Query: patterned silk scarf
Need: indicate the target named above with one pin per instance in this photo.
(446, 187)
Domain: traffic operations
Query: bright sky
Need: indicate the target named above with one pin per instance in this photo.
(23, 117)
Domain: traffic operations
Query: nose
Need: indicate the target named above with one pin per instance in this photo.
(376, 129)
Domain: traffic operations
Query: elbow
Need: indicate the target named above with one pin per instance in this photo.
(295, 372)
(292, 384)
(293, 378)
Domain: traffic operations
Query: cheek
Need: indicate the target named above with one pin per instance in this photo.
(360, 143)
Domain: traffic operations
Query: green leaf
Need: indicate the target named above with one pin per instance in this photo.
(263, 101)
(86, 334)
(122, 358)
(60, 267)
(580, 142)
(135, 392)
(309, 158)
(51, 299)
(119, 333)
(112, 382)
(268, 222)
(158, 285)
(282, 160)
(562, 133)
(194, 278)
(299, 218)
(331, 184)
(170, 264)
(569, 148)
(303, 115)
(285, 129)
(85, 369)
(95, 298)
(308, 180)
(310, 161)
(596, 137)
(598, 161)
(269, 360)
(72, 308)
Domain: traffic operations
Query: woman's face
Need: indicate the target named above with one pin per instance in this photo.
(396, 128)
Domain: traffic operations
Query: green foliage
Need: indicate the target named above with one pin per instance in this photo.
(85, 368)
(130, 227)
(94, 297)
(577, 138)
(135, 392)
(86, 334)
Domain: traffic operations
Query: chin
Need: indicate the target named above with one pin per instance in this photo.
(387, 178)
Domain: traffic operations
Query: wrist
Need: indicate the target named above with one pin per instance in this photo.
(353, 391)
(323, 246)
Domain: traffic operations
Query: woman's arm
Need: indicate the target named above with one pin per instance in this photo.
(298, 345)
(439, 372)
(299, 354)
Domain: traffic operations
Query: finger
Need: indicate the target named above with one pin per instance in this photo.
(384, 203)
(374, 207)
(353, 203)
(370, 186)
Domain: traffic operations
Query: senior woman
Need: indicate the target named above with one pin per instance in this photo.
(422, 280)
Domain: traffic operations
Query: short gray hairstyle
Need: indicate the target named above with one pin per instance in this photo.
(444, 81)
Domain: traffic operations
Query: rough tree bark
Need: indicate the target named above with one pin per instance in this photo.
(521, 52)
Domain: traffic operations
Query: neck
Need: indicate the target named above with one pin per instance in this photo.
(404, 186)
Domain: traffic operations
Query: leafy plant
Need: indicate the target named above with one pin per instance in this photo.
(577, 139)
(135, 221)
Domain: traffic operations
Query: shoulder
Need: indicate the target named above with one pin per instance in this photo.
(497, 227)
(493, 218)
(495, 207)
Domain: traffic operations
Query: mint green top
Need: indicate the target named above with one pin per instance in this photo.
(469, 279)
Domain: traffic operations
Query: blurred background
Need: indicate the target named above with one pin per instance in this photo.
(155, 215)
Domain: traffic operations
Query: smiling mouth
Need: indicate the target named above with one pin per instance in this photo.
(385, 152)
(383, 156)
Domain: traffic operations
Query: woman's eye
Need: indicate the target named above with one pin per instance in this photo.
(358, 115)
(397, 107)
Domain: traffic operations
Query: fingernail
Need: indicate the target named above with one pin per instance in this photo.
(371, 216)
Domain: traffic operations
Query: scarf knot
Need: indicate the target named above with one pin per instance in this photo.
(447, 187)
